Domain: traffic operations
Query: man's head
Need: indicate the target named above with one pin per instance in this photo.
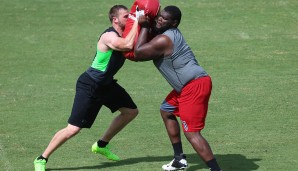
(118, 15)
(169, 17)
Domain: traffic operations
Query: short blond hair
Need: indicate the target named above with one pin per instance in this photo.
(114, 11)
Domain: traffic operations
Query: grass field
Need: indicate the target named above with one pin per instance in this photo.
(250, 49)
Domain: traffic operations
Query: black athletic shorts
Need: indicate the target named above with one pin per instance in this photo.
(90, 97)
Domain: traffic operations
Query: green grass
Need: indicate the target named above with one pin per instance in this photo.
(248, 47)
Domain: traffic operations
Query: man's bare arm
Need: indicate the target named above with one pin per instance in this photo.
(156, 48)
(113, 41)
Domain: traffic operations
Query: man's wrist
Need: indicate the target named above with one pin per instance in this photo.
(145, 25)
(145, 28)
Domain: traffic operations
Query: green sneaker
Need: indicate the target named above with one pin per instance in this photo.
(105, 152)
(40, 165)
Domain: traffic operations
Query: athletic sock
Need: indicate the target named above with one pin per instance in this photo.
(102, 143)
(177, 147)
(41, 158)
(213, 165)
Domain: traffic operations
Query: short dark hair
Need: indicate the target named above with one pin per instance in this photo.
(174, 12)
(114, 11)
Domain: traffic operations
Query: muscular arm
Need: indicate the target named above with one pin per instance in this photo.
(110, 40)
(159, 47)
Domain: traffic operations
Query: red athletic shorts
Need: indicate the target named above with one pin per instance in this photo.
(191, 104)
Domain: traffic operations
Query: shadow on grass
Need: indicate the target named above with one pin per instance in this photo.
(227, 162)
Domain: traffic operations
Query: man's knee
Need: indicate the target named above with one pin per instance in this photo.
(167, 115)
(72, 130)
(132, 113)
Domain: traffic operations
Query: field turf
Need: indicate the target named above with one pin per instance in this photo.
(250, 49)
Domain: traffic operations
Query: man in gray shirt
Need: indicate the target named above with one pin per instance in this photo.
(191, 86)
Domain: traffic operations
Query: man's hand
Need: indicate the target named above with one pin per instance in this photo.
(144, 21)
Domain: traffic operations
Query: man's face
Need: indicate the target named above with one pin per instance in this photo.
(163, 22)
(122, 18)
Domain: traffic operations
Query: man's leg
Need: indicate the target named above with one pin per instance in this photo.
(172, 126)
(59, 138)
(101, 146)
(173, 129)
(126, 115)
(200, 145)
(203, 149)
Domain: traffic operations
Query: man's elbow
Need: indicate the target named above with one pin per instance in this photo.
(129, 47)
(140, 56)
(137, 54)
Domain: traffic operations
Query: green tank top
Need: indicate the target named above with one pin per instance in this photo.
(101, 60)
(106, 64)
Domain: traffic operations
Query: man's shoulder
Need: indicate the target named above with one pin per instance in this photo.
(111, 30)
(171, 31)
(109, 35)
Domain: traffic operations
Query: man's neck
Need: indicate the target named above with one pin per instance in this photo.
(118, 29)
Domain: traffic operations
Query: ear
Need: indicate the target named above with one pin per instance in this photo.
(115, 20)
(175, 23)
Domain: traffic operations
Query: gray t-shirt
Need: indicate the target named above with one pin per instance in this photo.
(181, 67)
